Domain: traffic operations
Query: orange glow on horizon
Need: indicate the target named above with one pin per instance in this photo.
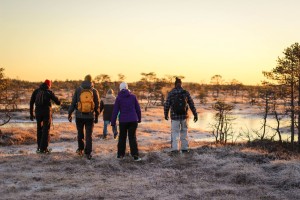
(196, 39)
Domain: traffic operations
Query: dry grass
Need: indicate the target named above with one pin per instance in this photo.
(256, 171)
(205, 173)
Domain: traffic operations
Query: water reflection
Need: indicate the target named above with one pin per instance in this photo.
(242, 124)
(28, 124)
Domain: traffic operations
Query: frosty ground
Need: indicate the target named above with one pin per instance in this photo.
(209, 171)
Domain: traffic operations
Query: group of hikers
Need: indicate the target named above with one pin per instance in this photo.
(125, 107)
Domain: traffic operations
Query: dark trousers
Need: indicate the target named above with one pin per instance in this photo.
(43, 127)
(88, 125)
(130, 129)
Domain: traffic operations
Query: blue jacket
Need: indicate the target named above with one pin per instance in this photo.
(128, 106)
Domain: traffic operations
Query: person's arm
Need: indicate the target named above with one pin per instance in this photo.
(54, 98)
(167, 106)
(96, 101)
(73, 103)
(31, 104)
(192, 106)
(138, 110)
(72, 106)
(101, 105)
(115, 112)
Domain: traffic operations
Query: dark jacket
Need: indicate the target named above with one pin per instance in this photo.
(107, 105)
(76, 99)
(46, 108)
(128, 106)
(170, 100)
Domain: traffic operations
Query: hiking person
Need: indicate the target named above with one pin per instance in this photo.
(107, 106)
(128, 109)
(179, 100)
(85, 102)
(41, 98)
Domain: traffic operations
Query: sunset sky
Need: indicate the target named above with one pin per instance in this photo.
(67, 39)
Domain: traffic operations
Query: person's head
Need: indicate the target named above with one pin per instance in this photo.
(123, 86)
(178, 82)
(48, 83)
(88, 78)
(110, 92)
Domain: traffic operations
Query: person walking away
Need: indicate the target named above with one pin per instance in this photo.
(85, 102)
(178, 102)
(107, 106)
(129, 111)
(41, 98)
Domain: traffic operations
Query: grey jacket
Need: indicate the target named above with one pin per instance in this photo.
(76, 98)
(107, 105)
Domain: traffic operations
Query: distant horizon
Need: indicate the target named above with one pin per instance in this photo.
(183, 81)
(133, 81)
(197, 39)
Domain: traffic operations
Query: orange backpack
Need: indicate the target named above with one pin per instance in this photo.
(86, 101)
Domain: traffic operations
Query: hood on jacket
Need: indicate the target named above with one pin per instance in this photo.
(87, 85)
(110, 92)
(110, 96)
(44, 86)
(124, 93)
(109, 99)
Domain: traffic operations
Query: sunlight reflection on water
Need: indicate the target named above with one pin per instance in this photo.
(28, 123)
(242, 124)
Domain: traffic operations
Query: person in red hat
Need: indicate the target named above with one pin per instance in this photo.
(42, 98)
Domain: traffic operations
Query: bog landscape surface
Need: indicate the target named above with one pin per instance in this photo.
(209, 171)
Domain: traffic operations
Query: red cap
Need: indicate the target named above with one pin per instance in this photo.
(48, 82)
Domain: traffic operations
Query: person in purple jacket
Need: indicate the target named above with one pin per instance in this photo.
(128, 108)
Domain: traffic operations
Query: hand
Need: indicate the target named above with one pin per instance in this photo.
(195, 119)
(96, 120)
(31, 117)
(70, 117)
(166, 118)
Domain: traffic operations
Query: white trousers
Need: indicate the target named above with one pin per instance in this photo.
(179, 138)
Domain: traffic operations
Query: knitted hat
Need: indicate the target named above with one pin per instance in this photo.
(88, 78)
(177, 81)
(48, 83)
(123, 86)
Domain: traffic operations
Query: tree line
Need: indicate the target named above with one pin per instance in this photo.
(284, 84)
(279, 97)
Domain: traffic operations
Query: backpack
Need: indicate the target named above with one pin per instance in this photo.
(41, 98)
(180, 103)
(86, 101)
